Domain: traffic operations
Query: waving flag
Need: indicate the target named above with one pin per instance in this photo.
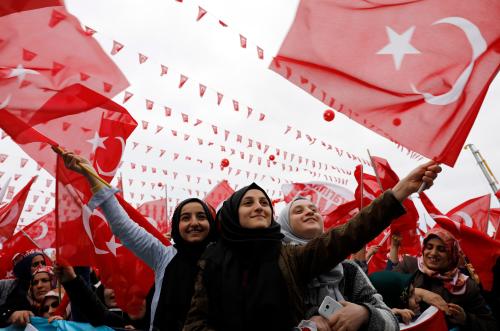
(39, 234)
(472, 242)
(474, 213)
(10, 213)
(415, 72)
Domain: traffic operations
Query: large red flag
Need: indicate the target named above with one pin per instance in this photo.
(481, 250)
(440, 56)
(219, 194)
(37, 235)
(84, 238)
(326, 196)
(474, 213)
(10, 213)
(156, 213)
(431, 319)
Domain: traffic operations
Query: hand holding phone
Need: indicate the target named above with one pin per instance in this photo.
(328, 307)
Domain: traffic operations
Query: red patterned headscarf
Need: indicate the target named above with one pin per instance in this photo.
(453, 280)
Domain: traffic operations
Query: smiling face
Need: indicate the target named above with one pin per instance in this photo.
(40, 285)
(193, 225)
(255, 211)
(305, 220)
(435, 255)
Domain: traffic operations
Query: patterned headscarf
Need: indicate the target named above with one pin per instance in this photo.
(453, 280)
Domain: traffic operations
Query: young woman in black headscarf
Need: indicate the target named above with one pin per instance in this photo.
(250, 280)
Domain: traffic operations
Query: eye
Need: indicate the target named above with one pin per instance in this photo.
(297, 210)
(185, 218)
(201, 216)
(264, 202)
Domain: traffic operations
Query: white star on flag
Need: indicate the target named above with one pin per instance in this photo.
(113, 245)
(97, 141)
(20, 73)
(399, 45)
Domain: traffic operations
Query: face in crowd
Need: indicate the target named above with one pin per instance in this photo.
(37, 261)
(255, 210)
(49, 306)
(193, 225)
(305, 219)
(435, 255)
(41, 284)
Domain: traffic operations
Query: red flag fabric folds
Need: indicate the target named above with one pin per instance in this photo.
(41, 235)
(10, 213)
(474, 213)
(440, 57)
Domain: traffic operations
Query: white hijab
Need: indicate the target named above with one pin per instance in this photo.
(322, 285)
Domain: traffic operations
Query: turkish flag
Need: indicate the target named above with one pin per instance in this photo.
(156, 213)
(378, 261)
(42, 231)
(440, 56)
(218, 194)
(41, 235)
(10, 213)
(406, 225)
(84, 238)
(473, 243)
(474, 213)
(326, 196)
(431, 319)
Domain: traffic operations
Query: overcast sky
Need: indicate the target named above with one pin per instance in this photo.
(208, 53)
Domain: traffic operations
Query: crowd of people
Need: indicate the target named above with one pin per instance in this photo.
(242, 268)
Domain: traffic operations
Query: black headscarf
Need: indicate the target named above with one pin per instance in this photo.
(178, 281)
(233, 232)
(244, 283)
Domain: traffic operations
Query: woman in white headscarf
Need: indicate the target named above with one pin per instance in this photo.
(362, 306)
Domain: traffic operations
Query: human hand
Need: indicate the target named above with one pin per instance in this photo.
(55, 318)
(349, 318)
(321, 323)
(406, 314)
(432, 298)
(425, 173)
(64, 273)
(456, 314)
(77, 163)
(20, 317)
(372, 251)
(396, 240)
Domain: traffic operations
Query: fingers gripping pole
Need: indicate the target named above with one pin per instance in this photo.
(85, 167)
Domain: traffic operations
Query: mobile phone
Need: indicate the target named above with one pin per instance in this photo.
(328, 307)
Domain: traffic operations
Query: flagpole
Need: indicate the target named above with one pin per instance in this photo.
(481, 162)
(361, 190)
(4, 189)
(375, 170)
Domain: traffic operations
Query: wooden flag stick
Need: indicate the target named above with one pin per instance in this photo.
(87, 169)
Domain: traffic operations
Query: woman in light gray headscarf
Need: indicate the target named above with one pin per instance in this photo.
(301, 222)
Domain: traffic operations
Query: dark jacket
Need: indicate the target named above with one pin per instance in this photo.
(479, 315)
(299, 264)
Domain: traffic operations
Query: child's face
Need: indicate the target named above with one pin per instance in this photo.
(413, 301)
